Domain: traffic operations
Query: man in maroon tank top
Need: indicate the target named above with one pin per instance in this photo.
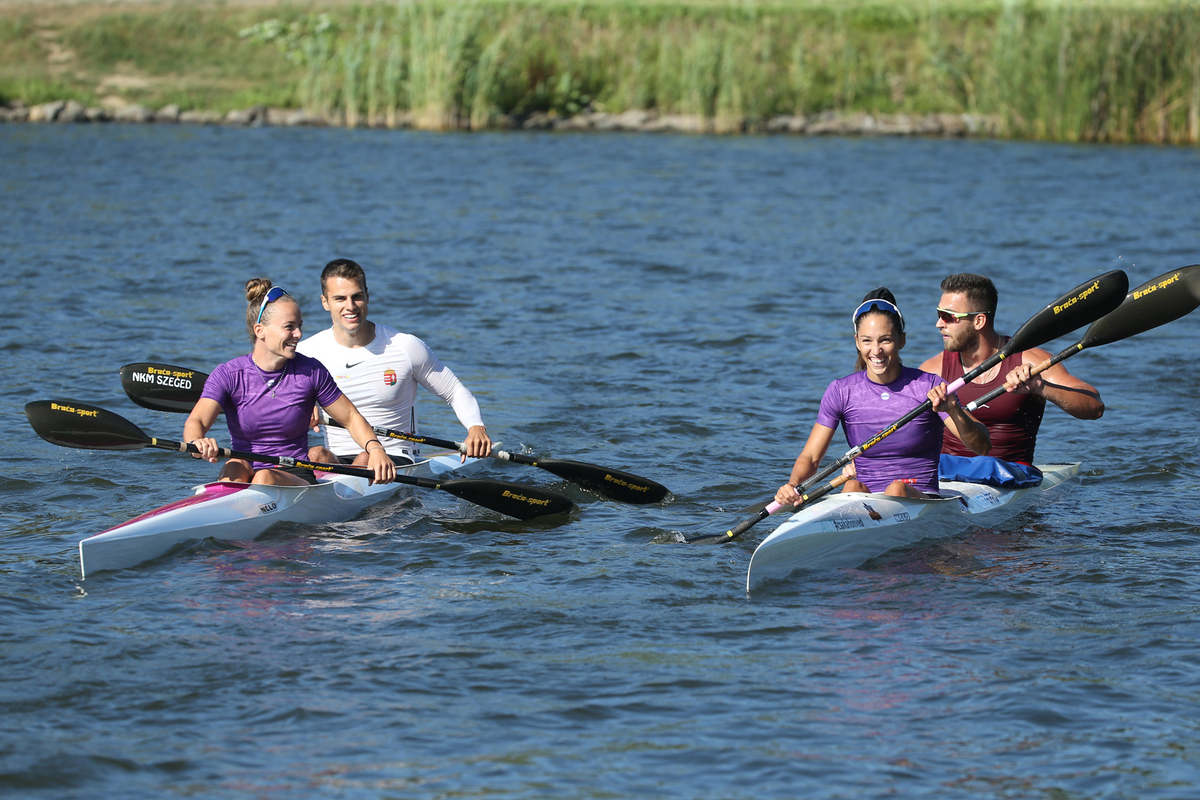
(966, 319)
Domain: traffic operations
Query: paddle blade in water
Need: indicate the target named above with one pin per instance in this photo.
(162, 387)
(514, 500)
(1081, 306)
(67, 423)
(614, 484)
(1156, 302)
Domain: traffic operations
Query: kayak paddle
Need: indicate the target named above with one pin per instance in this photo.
(1156, 302)
(612, 483)
(805, 499)
(1082, 305)
(70, 424)
(163, 387)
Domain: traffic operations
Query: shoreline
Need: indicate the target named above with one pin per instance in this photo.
(1117, 71)
(829, 123)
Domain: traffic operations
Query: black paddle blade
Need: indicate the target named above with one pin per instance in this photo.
(162, 387)
(1156, 302)
(511, 499)
(1081, 306)
(614, 484)
(70, 424)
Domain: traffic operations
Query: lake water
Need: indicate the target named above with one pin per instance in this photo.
(672, 306)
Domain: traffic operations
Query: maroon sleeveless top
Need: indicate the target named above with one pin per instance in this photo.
(1012, 419)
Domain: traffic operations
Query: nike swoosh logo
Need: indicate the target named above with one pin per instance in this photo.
(355, 364)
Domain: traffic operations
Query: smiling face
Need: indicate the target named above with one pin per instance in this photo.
(346, 302)
(280, 329)
(959, 335)
(879, 344)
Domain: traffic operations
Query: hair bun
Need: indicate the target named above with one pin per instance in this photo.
(256, 288)
(882, 293)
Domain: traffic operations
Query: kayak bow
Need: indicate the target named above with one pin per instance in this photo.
(844, 530)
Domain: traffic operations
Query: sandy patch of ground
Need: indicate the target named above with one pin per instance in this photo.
(56, 54)
(118, 82)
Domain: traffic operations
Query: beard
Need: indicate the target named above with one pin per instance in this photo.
(964, 341)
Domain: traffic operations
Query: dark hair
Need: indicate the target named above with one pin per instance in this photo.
(893, 317)
(979, 290)
(344, 268)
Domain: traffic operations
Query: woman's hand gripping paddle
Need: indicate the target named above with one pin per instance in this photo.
(163, 387)
(1081, 306)
(70, 424)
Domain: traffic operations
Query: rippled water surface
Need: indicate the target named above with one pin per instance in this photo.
(672, 306)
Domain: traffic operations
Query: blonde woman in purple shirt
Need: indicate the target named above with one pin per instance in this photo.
(268, 397)
(879, 392)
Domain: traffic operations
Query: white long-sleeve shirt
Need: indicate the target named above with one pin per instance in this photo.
(381, 380)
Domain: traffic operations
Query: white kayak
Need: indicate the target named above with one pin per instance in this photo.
(844, 530)
(224, 510)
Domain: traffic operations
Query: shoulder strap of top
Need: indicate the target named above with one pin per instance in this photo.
(952, 368)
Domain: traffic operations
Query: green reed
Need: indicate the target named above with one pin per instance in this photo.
(1068, 70)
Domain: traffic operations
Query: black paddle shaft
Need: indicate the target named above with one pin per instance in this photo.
(747, 524)
(68, 423)
(163, 387)
(1078, 307)
(1082, 305)
(612, 483)
(1156, 302)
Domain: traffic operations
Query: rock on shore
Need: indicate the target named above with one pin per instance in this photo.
(636, 120)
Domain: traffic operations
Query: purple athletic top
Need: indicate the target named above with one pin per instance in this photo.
(864, 409)
(272, 425)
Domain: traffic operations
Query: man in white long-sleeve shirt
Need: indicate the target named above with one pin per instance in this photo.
(379, 369)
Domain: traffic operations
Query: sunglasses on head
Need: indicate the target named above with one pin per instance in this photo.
(950, 317)
(273, 294)
(879, 305)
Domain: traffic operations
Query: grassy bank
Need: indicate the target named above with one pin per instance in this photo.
(1071, 70)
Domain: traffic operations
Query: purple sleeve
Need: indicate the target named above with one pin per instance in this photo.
(326, 388)
(218, 386)
(833, 405)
